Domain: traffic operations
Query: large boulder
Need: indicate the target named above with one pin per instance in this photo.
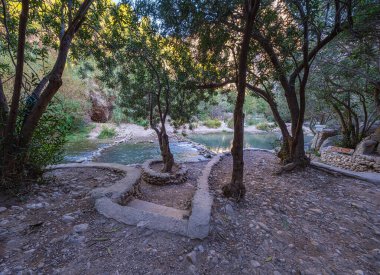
(101, 110)
(321, 136)
(330, 141)
(369, 145)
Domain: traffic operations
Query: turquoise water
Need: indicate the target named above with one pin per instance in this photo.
(222, 142)
(127, 153)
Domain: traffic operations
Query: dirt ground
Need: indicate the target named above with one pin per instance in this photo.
(173, 195)
(306, 222)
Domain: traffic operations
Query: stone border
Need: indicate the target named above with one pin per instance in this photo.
(199, 220)
(158, 178)
(365, 176)
(108, 199)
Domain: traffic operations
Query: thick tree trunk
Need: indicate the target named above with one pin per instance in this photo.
(236, 188)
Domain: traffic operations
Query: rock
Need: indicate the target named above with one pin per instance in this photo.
(229, 210)
(321, 136)
(4, 222)
(101, 110)
(2, 209)
(80, 228)
(193, 270)
(255, 264)
(276, 273)
(331, 141)
(35, 205)
(366, 147)
(359, 272)
(200, 248)
(192, 257)
(3, 234)
(17, 208)
(67, 218)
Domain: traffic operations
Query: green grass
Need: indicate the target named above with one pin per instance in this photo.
(107, 133)
(212, 123)
(81, 133)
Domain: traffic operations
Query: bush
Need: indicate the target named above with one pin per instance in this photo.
(230, 123)
(47, 144)
(142, 122)
(212, 123)
(253, 121)
(107, 133)
(118, 115)
(265, 126)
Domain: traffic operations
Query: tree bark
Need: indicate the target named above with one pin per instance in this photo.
(166, 154)
(236, 188)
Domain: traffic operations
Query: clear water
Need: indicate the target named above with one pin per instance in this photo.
(127, 153)
(222, 142)
(82, 150)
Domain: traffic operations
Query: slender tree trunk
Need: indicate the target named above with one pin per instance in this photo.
(167, 156)
(11, 169)
(236, 188)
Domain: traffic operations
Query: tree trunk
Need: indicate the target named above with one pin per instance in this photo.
(167, 156)
(236, 188)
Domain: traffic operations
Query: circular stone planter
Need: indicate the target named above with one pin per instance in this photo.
(159, 178)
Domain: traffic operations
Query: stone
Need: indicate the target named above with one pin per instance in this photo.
(359, 272)
(192, 257)
(101, 110)
(17, 208)
(330, 141)
(366, 146)
(2, 209)
(80, 228)
(193, 270)
(35, 205)
(67, 218)
(321, 136)
(229, 210)
(255, 264)
(200, 248)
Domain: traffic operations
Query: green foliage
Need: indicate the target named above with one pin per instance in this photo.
(106, 133)
(265, 126)
(47, 145)
(142, 122)
(212, 123)
(118, 115)
(230, 123)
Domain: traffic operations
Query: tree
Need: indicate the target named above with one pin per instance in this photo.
(153, 73)
(348, 85)
(18, 126)
(287, 39)
(219, 33)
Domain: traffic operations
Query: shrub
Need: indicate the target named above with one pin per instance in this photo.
(212, 123)
(47, 144)
(142, 122)
(230, 123)
(107, 133)
(265, 126)
(253, 121)
(118, 115)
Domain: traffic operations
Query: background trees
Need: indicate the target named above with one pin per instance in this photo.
(287, 38)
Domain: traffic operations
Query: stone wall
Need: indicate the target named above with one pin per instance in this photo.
(358, 163)
(158, 178)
